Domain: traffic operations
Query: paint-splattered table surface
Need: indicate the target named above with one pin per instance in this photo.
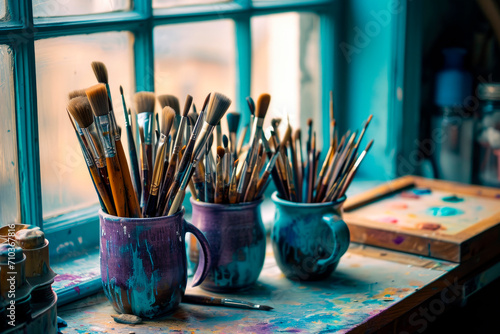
(367, 284)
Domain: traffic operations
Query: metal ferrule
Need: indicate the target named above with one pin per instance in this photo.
(159, 165)
(242, 179)
(91, 136)
(238, 303)
(145, 119)
(186, 177)
(86, 154)
(272, 162)
(105, 134)
(178, 138)
(202, 138)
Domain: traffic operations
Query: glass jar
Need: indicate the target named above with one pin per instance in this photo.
(487, 164)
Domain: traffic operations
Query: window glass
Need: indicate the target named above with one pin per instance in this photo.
(3, 9)
(285, 64)
(179, 3)
(63, 65)
(45, 8)
(9, 180)
(195, 59)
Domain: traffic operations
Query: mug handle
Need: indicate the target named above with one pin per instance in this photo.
(205, 260)
(341, 237)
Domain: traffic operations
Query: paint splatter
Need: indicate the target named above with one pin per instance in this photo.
(409, 195)
(422, 191)
(453, 199)
(398, 206)
(390, 220)
(398, 240)
(428, 226)
(444, 211)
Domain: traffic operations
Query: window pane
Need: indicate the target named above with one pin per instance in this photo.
(179, 3)
(63, 65)
(44, 8)
(3, 9)
(9, 181)
(285, 64)
(195, 59)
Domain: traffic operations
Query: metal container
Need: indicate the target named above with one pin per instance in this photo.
(238, 240)
(143, 262)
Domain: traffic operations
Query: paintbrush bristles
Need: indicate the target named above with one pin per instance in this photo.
(76, 93)
(167, 119)
(79, 108)
(233, 121)
(220, 152)
(170, 101)
(187, 105)
(218, 106)
(144, 102)
(98, 98)
(262, 105)
(100, 71)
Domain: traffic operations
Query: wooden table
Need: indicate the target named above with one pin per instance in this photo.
(372, 289)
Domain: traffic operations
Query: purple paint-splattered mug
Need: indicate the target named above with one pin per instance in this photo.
(238, 240)
(144, 264)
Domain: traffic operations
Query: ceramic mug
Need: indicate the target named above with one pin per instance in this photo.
(238, 243)
(144, 264)
(308, 239)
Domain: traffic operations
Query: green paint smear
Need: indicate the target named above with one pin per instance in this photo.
(444, 211)
(453, 199)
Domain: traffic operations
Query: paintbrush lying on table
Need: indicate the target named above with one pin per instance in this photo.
(215, 301)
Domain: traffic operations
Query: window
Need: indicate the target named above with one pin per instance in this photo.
(288, 48)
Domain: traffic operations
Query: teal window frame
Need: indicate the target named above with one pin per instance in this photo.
(22, 30)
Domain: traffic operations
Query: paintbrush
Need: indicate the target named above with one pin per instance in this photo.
(169, 176)
(261, 185)
(353, 170)
(167, 119)
(241, 140)
(251, 107)
(208, 176)
(240, 191)
(98, 99)
(254, 179)
(179, 196)
(81, 111)
(260, 114)
(324, 167)
(226, 162)
(215, 301)
(219, 183)
(215, 109)
(310, 169)
(274, 171)
(233, 194)
(76, 93)
(233, 121)
(134, 164)
(298, 169)
(144, 107)
(172, 102)
(101, 74)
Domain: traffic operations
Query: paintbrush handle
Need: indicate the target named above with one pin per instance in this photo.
(134, 162)
(201, 300)
(219, 185)
(179, 197)
(107, 201)
(174, 188)
(132, 200)
(167, 182)
(148, 150)
(192, 189)
(117, 186)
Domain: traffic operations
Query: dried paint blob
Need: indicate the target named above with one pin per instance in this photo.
(444, 211)
(409, 194)
(398, 206)
(422, 191)
(429, 226)
(390, 220)
(453, 199)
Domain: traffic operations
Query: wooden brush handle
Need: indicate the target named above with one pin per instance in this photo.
(117, 186)
(165, 187)
(132, 200)
(145, 187)
(219, 186)
(148, 150)
(134, 163)
(176, 204)
(102, 192)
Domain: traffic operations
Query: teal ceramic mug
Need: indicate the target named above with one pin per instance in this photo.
(308, 239)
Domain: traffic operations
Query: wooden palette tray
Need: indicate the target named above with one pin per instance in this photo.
(434, 218)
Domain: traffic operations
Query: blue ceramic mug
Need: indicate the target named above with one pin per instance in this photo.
(308, 239)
